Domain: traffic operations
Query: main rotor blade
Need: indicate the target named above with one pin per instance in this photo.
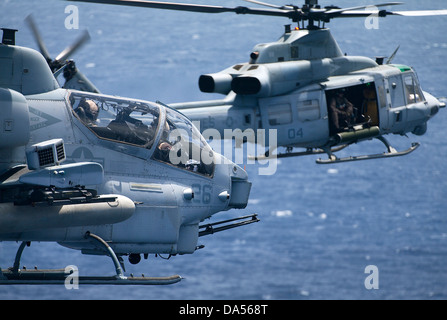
(335, 11)
(43, 49)
(421, 13)
(265, 4)
(74, 47)
(278, 11)
(190, 7)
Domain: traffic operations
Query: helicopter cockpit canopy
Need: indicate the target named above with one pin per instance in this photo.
(163, 132)
(125, 121)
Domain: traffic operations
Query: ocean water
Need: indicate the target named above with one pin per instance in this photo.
(321, 226)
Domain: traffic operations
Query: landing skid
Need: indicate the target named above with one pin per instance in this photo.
(391, 152)
(289, 154)
(60, 277)
(15, 276)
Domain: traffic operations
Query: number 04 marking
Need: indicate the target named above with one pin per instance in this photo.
(295, 133)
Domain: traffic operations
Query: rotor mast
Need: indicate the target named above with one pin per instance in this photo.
(310, 4)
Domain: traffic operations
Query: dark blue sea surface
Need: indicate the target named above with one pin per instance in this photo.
(321, 226)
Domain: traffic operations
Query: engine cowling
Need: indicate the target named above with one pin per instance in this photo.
(215, 83)
(273, 79)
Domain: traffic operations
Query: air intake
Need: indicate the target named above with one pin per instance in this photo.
(44, 154)
(9, 36)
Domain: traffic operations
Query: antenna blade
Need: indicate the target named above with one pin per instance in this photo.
(43, 49)
(393, 55)
(74, 47)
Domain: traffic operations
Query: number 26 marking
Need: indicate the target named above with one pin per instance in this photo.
(202, 194)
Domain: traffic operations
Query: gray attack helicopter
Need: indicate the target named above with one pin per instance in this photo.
(305, 89)
(103, 174)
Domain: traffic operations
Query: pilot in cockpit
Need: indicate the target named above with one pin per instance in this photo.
(88, 112)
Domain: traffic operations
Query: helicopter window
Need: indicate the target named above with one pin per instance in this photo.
(396, 92)
(308, 110)
(247, 119)
(182, 145)
(280, 114)
(110, 118)
(413, 91)
(382, 96)
(294, 52)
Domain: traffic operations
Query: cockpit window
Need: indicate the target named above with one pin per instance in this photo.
(125, 121)
(413, 90)
(142, 124)
(182, 145)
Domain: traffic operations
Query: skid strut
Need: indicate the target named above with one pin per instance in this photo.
(390, 153)
(15, 275)
(289, 153)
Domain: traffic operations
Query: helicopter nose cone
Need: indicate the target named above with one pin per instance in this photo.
(434, 111)
(443, 102)
(433, 104)
(235, 190)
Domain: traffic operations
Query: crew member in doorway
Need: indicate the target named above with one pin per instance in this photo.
(342, 111)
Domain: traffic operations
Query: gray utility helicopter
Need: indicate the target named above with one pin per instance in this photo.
(138, 177)
(305, 88)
